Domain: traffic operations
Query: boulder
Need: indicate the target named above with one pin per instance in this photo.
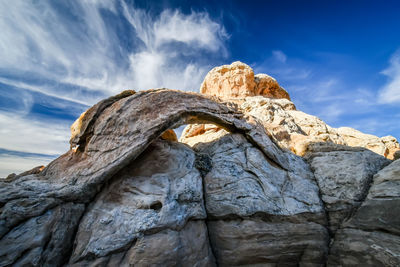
(238, 81)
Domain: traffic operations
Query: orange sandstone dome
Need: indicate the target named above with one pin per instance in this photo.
(238, 81)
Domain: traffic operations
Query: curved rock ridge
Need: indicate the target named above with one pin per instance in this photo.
(128, 194)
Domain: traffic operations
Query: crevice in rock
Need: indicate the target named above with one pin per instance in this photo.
(73, 239)
(363, 195)
(204, 162)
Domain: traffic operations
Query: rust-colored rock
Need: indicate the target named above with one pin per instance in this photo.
(169, 135)
(268, 87)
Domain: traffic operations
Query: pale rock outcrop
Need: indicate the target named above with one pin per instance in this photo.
(270, 103)
(392, 145)
(238, 81)
(357, 138)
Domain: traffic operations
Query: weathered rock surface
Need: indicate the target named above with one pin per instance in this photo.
(238, 81)
(268, 102)
(344, 175)
(155, 200)
(128, 194)
(125, 199)
(371, 237)
(252, 203)
(257, 242)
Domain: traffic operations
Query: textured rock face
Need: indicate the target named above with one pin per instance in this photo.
(99, 203)
(258, 212)
(238, 81)
(270, 103)
(357, 138)
(371, 236)
(344, 175)
(128, 194)
(158, 198)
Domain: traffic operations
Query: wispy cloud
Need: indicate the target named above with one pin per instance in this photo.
(22, 134)
(77, 52)
(18, 164)
(279, 55)
(390, 92)
(82, 47)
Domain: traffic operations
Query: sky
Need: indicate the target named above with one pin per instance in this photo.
(339, 60)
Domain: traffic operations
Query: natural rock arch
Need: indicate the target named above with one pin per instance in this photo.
(115, 131)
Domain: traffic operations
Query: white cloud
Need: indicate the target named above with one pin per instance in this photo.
(84, 49)
(14, 164)
(72, 96)
(390, 92)
(156, 64)
(64, 48)
(22, 134)
(279, 55)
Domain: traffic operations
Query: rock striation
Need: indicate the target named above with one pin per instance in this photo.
(231, 193)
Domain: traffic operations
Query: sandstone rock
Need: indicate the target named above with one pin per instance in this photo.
(344, 176)
(372, 235)
(128, 194)
(289, 128)
(268, 87)
(229, 81)
(201, 133)
(238, 81)
(259, 212)
(354, 247)
(14, 176)
(45, 208)
(242, 182)
(45, 240)
(169, 135)
(148, 203)
(259, 243)
(392, 145)
(357, 138)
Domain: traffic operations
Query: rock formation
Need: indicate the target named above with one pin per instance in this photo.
(128, 193)
(238, 81)
(270, 104)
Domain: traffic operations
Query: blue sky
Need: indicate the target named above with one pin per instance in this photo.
(339, 60)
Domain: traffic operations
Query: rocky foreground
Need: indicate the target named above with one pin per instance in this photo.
(252, 182)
